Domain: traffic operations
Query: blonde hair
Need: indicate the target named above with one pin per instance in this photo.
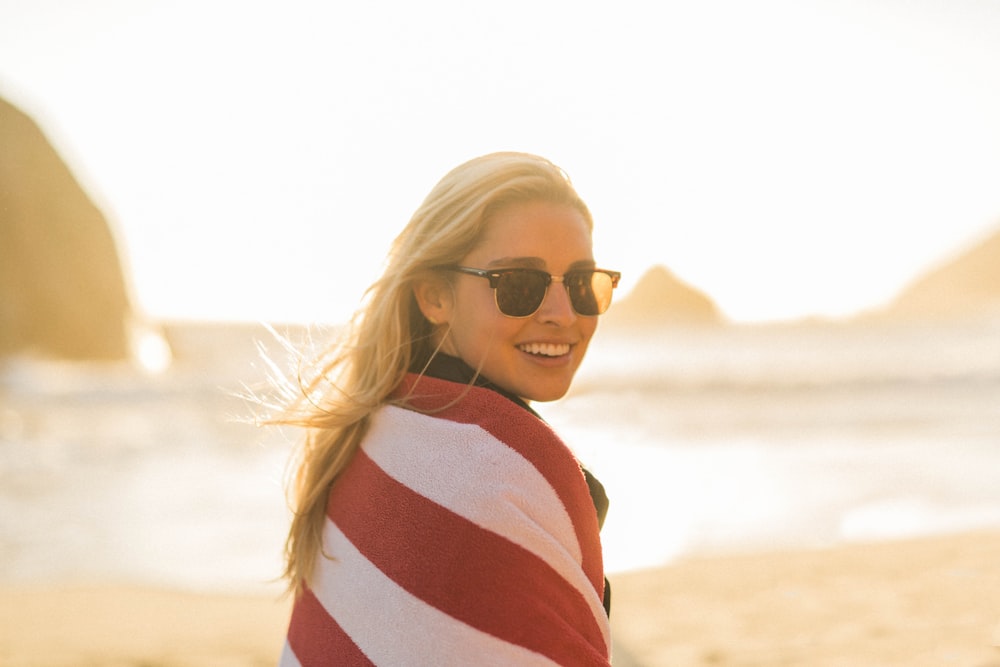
(389, 335)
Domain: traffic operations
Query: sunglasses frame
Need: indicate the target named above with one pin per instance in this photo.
(495, 275)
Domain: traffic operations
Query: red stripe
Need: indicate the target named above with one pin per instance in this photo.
(318, 640)
(466, 571)
(529, 437)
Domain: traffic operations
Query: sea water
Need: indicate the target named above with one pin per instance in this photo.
(795, 436)
(707, 441)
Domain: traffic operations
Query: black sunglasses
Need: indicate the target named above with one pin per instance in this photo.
(520, 292)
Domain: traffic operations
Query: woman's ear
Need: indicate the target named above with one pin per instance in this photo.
(434, 297)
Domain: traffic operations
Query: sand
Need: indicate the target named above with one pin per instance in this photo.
(115, 626)
(911, 603)
(930, 601)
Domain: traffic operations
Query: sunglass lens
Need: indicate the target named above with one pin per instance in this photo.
(520, 293)
(589, 291)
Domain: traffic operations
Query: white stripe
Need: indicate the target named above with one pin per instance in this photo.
(465, 469)
(391, 626)
(288, 657)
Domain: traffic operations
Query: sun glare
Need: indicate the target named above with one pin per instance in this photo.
(150, 350)
(788, 159)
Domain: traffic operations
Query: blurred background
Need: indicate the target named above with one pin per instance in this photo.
(802, 197)
(255, 159)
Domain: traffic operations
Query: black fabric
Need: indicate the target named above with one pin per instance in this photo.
(453, 369)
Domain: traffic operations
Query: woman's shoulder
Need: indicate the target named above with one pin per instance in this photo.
(442, 421)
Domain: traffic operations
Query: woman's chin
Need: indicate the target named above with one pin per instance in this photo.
(544, 394)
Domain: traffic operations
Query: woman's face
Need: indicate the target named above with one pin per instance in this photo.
(533, 357)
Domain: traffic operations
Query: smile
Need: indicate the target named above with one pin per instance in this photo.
(546, 349)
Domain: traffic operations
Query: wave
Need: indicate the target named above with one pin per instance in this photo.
(792, 357)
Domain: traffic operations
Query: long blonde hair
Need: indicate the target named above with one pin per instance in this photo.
(388, 335)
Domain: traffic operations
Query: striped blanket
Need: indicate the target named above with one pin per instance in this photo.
(463, 537)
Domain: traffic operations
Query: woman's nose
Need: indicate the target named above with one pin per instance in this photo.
(556, 307)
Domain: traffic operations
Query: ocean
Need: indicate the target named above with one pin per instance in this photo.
(708, 441)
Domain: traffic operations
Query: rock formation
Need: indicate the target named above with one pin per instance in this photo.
(661, 298)
(969, 284)
(62, 286)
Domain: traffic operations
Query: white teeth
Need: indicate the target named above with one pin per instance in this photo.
(545, 349)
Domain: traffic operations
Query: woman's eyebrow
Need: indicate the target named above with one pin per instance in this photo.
(518, 262)
(535, 263)
(583, 264)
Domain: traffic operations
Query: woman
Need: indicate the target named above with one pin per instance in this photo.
(437, 520)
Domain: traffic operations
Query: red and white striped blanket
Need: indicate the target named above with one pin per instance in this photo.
(465, 537)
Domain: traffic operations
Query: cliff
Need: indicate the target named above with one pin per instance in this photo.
(62, 285)
(659, 297)
(968, 284)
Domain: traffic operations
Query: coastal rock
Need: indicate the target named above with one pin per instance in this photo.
(660, 297)
(968, 284)
(62, 285)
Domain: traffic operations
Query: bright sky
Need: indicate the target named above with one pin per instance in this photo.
(789, 158)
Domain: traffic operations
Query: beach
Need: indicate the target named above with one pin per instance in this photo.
(779, 496)
(931, 601)
(928, 601)
(118, 625)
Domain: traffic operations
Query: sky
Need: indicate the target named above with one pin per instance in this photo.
(789, 158)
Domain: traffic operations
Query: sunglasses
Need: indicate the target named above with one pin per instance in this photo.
(520, 292)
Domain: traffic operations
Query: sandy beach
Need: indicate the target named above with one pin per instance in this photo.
(933, 601)
(115, 626)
